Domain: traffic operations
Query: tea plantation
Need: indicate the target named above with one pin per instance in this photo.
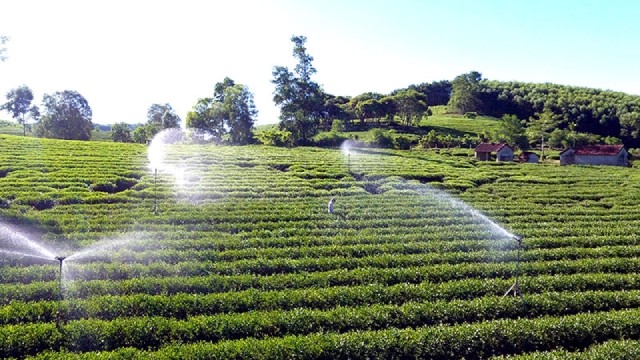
(230, 253)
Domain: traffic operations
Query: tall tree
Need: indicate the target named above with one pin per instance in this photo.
(464, 95)
(121, 132)
(512, 131)
(231, 111)
(19, 105)
(204, 116)
(67, 115)
(540, 128)
(411, 106)
(162, 116)
(300, 99)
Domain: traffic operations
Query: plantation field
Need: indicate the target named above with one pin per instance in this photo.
(242, 260)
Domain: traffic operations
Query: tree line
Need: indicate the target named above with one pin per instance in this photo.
(228, 116)
(532, 114)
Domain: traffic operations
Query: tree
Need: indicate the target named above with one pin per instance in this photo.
(19, 105)
(411, 106)
(231, 111)
(67, 116)
(464, 95)
(205, 116)
(437, 92)
(140, 135)
(335, 109)
(162, 116)
(3, 49)
(512, 131)
(300, 99)
(121, 132)
(541, 128)
(240, 113)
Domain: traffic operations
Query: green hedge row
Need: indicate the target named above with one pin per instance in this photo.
(469, 341)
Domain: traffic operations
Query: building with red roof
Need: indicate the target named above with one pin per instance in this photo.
(503, 152)
(615, 155)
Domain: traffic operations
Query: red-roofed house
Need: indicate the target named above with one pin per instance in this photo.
(595, 155)
(484, 152)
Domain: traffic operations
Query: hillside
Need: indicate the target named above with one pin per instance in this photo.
(242, 259)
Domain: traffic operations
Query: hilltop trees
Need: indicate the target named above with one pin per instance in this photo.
(464, 93)
(437, 92)
(300, 99)
(411, 106)
(231, 111)
(66, 115)
(19, 105)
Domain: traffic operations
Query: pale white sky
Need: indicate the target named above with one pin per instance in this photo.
(123, 56)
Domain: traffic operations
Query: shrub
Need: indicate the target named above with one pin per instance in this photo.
(382, 139)
(402, 143)
(330, 139)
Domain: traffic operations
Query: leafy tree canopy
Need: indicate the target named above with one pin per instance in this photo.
(162, 116)
(231, 112)
(300, 99)
(121, 132)
(66, 115)
(19, 105)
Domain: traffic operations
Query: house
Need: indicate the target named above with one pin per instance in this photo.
(615, 155)
(503, 152)
(528, 157)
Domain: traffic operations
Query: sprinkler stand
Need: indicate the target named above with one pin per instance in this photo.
(58, 313)
(515, 288)
(155, 192)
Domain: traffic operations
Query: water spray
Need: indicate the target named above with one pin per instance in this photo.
(59, 314)
(515, 288)
(155, 191)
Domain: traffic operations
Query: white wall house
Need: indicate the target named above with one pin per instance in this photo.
(615, 155)
(503, 152)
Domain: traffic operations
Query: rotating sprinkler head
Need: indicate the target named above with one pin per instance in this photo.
(60, 258)
(518, 238)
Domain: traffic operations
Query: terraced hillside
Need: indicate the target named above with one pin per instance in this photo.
(241, 259)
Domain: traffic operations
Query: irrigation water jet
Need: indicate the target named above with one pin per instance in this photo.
(155, 192)
(515, 288)
(58, 313)
(347, 149)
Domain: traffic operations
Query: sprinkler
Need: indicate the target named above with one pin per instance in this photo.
(515, 288)
(349, 162)
(58, 314)
(155, 192)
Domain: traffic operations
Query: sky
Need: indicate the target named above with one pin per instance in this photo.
(124, 56)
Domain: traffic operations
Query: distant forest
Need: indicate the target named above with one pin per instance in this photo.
(565, 108)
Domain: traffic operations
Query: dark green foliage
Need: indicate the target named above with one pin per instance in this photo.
(300, 99)
(230, 113)
(66, 115)
(121, 132)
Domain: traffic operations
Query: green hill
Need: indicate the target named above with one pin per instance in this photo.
(243, 260)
